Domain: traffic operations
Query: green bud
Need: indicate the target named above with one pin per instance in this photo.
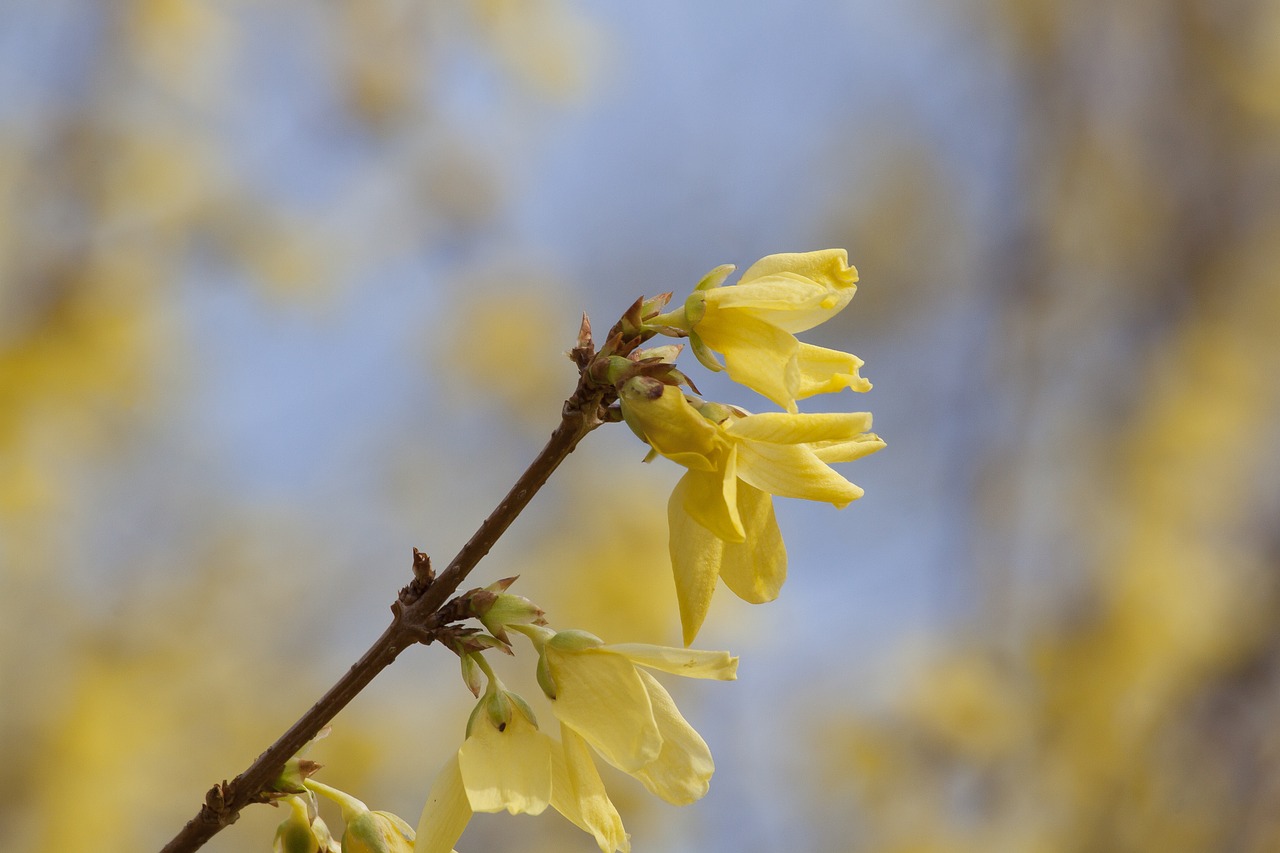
(294, 834)
(471, 674)
(653, 305)
(505, 610)
(377, 832)
(296, 771)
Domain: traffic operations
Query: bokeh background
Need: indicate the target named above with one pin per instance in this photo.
(284, 292)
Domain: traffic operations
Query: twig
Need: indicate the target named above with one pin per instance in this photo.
(416, 619)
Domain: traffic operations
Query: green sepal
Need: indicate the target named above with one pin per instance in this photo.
(543, 672)
(704, 353)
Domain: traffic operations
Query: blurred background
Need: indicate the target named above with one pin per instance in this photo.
(285, 289)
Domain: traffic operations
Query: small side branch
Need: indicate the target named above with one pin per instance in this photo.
(416, 617)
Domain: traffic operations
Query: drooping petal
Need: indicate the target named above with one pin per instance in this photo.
(793, 471)
(755, 569)
(508, 769)
(695, 561)
(757, 354)
(690, 663)
(711, 499)
(579, 794)
(782, 428)
(601, 697)
(827, 371)
(446, 813)
(681, 773)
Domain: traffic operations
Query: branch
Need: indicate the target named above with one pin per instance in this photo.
(417, 617)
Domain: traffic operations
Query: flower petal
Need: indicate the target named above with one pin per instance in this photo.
(691, 663)
(601, 697)
(711, 499)
(794, 292)
(508, 769)
(830, 266)
(446, 813)
(783, 428)
(579, 794)
(755, 569)
(828, 371)
(695, 561)
(845, 451)
(793, 471)
(682, 772)
(757, 354)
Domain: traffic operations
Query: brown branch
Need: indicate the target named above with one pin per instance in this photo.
(416, 615)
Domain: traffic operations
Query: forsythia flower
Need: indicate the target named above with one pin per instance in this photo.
(753, 323)
(507, 763)
(599, 692)
(367, 831)
(302, 831)
(721, 512)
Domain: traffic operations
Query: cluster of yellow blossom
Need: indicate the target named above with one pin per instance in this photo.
(722, 525)
(721, 513)
(604, 703)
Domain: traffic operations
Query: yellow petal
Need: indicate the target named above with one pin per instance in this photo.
(508, 769)
(711, 499)
(682, 772)
(756, 568)
(579, 794)
(695, 561)
(601, 697)
(446, 813)
(782, 428)
(827, 371)
(793, 292)
(691, 663)
(830, 266)
(793, 471)
(757, 354)
(846, 451)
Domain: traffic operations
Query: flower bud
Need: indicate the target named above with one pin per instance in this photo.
(302, 831)
(471, 674)
(503, 610)
(377, 832)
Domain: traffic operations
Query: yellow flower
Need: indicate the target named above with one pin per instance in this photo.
(377, 832)
(367, 831)
(721, 512)
(599, 692)
(507, 763)
(753, 323)
(302, 831)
